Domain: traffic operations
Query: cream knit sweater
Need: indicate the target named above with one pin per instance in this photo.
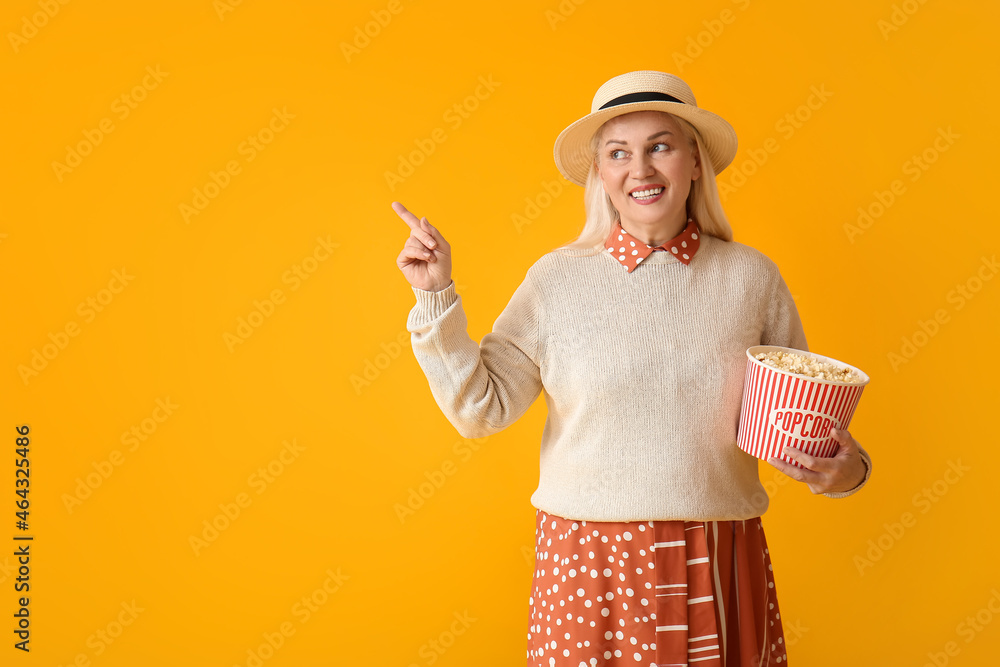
(642, 373)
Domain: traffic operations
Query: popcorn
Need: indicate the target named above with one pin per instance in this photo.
(808, 366)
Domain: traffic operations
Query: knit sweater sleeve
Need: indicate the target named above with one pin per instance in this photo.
(481, 388)
(784, 327)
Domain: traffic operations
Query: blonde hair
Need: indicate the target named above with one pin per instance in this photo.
(703, 202)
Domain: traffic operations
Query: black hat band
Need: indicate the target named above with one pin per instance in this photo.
(640, 97)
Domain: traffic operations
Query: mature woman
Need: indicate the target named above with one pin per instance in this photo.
(649, 544)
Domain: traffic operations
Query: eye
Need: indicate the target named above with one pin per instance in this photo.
(619, 150)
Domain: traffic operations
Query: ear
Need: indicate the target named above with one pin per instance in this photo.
(696, 172)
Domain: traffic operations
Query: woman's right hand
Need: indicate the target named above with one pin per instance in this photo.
(426, 257)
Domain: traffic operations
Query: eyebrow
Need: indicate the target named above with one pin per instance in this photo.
(649, 138)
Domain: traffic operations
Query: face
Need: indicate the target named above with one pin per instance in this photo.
(646, 150)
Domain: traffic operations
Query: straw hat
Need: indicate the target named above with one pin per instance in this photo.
(639, 91)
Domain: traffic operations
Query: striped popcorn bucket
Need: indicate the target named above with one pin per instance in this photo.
(782, 408)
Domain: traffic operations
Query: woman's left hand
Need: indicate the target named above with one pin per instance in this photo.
(832, 474)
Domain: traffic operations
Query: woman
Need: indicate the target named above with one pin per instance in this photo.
(649, 544)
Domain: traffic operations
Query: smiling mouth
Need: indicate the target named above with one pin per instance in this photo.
(646, 195)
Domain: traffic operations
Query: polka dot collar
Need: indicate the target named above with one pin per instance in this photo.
(630, 251)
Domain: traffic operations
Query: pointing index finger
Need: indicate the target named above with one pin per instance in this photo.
(419, 225)
(408, 218)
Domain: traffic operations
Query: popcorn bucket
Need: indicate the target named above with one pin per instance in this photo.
(784, 408)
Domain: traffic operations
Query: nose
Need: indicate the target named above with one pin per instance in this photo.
(642, 166)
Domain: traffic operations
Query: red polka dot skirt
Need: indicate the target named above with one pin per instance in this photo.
(653, 593)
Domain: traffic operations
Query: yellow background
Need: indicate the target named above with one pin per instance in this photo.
(330, 369)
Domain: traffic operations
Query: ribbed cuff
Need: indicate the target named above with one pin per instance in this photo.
(868, 473)
(431, 305)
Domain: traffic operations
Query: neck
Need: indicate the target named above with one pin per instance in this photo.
(658, 232)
